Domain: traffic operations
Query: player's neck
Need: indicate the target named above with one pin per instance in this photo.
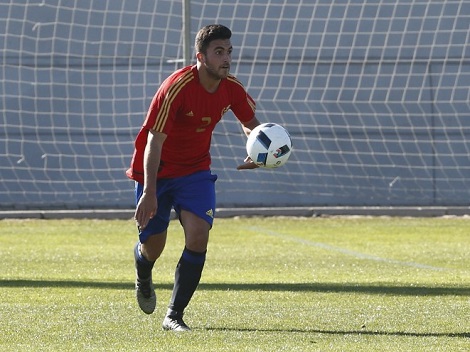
(209, 83)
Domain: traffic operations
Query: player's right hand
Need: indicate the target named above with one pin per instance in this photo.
(248, 165)
(145, 210)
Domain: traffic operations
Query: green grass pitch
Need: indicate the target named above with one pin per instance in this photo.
(270, 284)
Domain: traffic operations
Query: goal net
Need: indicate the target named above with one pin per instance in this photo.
(374, 93)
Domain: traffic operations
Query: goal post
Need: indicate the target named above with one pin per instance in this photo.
(374, 93)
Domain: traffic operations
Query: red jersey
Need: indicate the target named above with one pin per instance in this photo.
(187, 114)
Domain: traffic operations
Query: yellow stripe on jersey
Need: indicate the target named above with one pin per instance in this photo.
(252, 104)
(232, 78)
(173, 91)
(235, 80)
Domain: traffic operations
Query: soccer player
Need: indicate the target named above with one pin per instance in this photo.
(171, 166)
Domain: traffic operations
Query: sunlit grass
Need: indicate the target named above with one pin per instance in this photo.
(270, 284)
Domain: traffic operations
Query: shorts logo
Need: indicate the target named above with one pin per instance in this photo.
(210, 212)
(190, 113)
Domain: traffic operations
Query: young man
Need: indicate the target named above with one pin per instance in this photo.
(171, 166)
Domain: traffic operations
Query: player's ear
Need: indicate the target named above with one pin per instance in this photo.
(200, 57)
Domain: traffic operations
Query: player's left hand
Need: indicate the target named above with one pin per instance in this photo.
(248, 165)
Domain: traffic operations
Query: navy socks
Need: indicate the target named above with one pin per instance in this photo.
(144, 267)
(187, 276)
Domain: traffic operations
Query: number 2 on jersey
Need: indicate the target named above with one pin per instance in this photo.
(206, 121)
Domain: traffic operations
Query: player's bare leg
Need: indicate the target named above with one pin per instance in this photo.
(188, 271)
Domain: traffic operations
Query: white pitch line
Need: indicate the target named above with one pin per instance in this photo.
(345, 251)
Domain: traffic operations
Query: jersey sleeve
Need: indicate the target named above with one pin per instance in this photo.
(160, 113)
(243, 105)
(166, 103)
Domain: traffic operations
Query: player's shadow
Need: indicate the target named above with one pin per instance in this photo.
(379, 288)
(361, 288)
(65, 284)
(270, 287)
(348, 332)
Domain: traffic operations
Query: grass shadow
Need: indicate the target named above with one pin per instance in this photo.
(66, 283)
(350, 332)
(374, 289)
(358, 288)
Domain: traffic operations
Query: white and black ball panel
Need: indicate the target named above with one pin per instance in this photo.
(269, 145)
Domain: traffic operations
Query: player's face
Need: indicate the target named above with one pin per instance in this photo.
(218, 58)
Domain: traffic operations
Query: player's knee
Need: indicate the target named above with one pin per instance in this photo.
(153, 247)
(197, 240)
(197, 243)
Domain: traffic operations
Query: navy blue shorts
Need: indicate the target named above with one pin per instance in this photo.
(194, 193)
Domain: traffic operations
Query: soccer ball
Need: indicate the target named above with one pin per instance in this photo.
(269, 145)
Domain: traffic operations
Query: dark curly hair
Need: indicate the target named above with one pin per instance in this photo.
(209, 33)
